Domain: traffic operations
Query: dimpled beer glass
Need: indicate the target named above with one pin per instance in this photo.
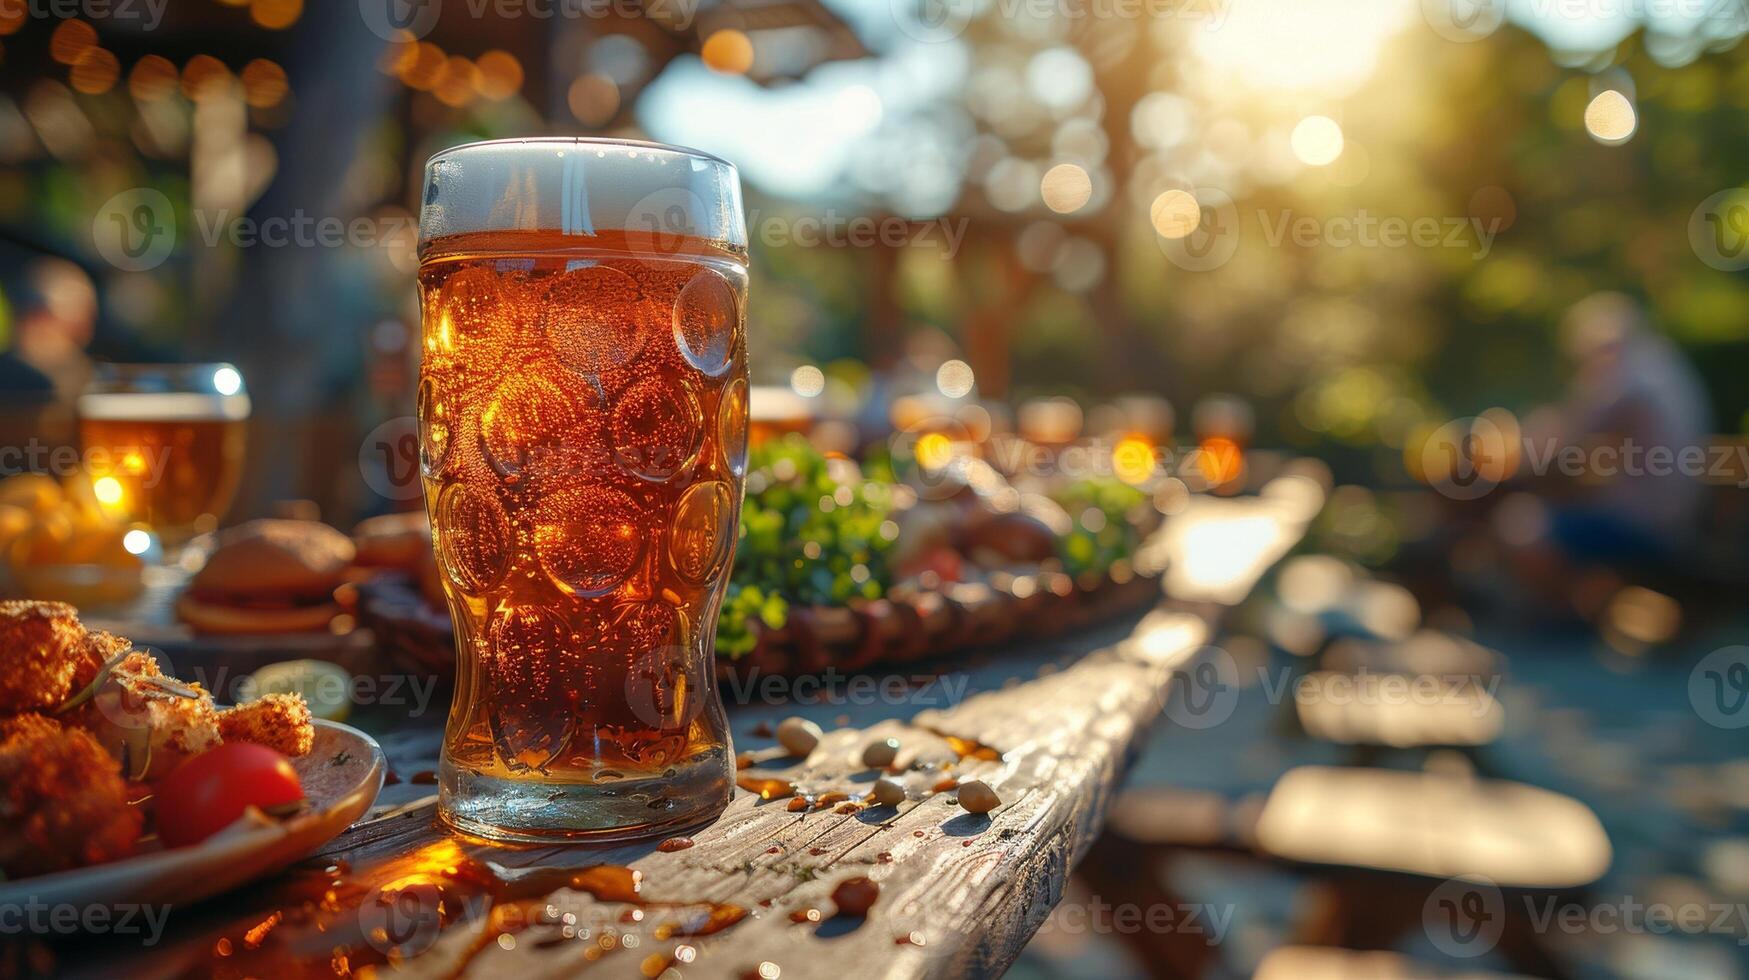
(583, 436)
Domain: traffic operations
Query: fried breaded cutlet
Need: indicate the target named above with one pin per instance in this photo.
(62, 803)
(41, 647)
(97, 649)
(279, 721)
(149, 721)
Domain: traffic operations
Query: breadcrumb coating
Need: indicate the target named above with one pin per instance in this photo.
(147, 720)
(62, 803)
(41, 646)
(279, 721)
(94, 651)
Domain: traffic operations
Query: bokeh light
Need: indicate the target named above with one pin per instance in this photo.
(807, 381)
(1175, 214)
(727, 51)
(1610, 117)
(1317, 140)
(954, 379)
(1066, 188)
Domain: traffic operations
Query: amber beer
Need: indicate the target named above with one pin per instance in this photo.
(583, 428)
(173, 451)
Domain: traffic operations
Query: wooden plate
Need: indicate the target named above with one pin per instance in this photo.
(341, 778)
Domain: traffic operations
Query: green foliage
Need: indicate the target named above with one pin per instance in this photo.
(1102, 533)
(743, 605)
(805, 539)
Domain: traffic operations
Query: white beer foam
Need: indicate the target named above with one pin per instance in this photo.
(581, 187)
(163, 406)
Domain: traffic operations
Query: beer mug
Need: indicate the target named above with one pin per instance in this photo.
(583, 443)
(164, 442)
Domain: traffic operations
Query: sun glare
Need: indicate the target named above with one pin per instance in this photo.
(1292, 45)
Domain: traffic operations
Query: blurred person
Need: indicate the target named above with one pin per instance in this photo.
(1569, 537)
(1631, 391)
(53, 312)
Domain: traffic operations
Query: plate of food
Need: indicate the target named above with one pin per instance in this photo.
(119, 783)
(841, 566)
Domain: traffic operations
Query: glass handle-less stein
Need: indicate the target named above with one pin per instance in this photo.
(165, 443)
(583, 427)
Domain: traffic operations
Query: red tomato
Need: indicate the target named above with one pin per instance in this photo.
(207, 793)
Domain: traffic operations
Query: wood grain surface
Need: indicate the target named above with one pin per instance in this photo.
(959, 894)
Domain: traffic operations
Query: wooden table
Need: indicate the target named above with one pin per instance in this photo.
(959, 894)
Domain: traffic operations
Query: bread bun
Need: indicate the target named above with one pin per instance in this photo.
(220, 617)
(393, 540)
(276, 559)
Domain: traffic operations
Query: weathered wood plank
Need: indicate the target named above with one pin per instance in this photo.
(960, 893)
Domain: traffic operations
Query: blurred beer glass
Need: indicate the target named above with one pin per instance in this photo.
(583, 435)
(164, 443)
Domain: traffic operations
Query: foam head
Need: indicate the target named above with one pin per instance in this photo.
(585, 188)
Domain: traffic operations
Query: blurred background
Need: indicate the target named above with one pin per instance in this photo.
(1426, 243)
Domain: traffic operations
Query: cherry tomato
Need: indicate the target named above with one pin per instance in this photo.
(207, 793)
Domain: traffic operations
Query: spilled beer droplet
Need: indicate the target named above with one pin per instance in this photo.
(768, 788)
